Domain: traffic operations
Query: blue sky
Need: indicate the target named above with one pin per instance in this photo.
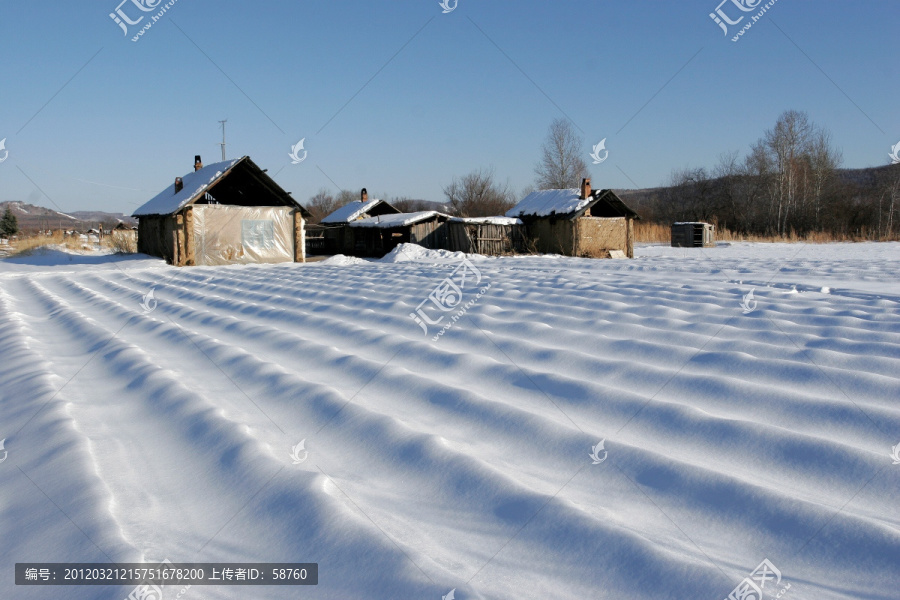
(400, 98)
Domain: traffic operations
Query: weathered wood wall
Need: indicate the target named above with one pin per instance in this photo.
(430, 234)
(156, 237)
(551, 236)
(487, 238)
(340, 239)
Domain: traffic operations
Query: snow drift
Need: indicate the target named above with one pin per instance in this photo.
(145, 426)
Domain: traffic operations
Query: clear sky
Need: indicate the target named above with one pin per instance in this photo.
(398, 97)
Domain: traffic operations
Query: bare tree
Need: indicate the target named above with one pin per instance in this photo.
(561, 165)
(688, 196)
(346, 197)
(404, 204)
(890, 192)
(790, 182)
(824, 161)
(787, 144)
(798, 163)
(895, 199)
(728, 181)
(478, 195)
(321, 205)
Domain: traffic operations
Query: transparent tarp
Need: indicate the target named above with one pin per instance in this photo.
(225, 235)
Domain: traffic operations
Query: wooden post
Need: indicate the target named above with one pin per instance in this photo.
(576, 238)
(629, 238)
(179, 258)
(189, 256)
(173, 241)
(299, 238)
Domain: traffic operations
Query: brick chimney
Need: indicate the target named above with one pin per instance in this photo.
(179, 184)
(364, 196)
(585, 188)
(198, 164)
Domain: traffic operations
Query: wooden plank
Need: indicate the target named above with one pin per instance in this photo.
(178, 238)
(189, 237)
(629, 238)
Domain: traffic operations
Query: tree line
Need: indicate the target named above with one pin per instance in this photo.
(480, 193)
(790, 182)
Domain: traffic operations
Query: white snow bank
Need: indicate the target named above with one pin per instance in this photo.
(340, 260)
(415, 253)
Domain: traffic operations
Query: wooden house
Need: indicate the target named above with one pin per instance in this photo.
(376, 236)
(224, 213)
(578, 222)
(124, 231)
(338, 237)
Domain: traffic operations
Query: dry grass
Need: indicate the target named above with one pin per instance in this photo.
(662, 234)
(119, 242)
(27, 245)
(122, 242)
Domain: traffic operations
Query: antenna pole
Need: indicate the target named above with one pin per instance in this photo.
(223, 139)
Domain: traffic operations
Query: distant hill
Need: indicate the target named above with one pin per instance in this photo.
(861, 179)
(866, 177)
(639, 200)
(33, 218)
(103, 217)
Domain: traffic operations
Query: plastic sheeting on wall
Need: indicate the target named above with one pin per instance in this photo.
(225, 235)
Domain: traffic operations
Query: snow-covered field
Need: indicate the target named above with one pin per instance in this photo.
(138, 428)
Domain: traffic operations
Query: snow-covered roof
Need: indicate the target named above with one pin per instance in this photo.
(168, 201)
(351, 212)
(487, 220)
(398, 220)
(547, 202)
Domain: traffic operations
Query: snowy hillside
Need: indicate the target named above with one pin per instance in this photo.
(32, 218)
(734, 428)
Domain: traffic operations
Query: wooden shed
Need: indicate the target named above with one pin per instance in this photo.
(693, 235)
(492, 236)
(225, 213)
(336, 233)
(578, 222)
(376, 236)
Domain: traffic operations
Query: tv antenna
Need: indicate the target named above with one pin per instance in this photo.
(223, 139)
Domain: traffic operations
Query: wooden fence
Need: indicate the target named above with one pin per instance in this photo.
(487, 238)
